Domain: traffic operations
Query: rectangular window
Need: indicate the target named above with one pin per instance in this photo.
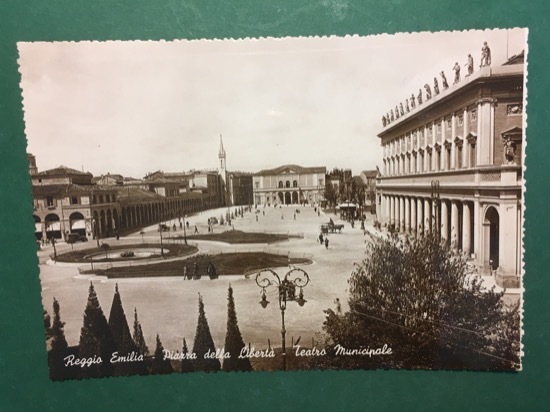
(74, 200)
(473, 155)
(459, 157)
(49, 201)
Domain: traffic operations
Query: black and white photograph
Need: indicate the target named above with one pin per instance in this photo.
(279, 204)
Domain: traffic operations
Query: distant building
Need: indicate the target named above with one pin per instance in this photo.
(368, 180)
(455, 163)
(289, 184)
(240, 188)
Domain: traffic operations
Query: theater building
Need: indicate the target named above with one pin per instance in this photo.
(289, 184)
(455, 162)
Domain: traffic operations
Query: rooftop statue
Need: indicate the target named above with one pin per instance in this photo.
(509, 152)
(401, 111)
(456, 68)
(413, 103)
(384, 121)
(470, 65)
(485, 55)
(396, 112)
(436, 86)
(392, 118)
(444, 80)
(407, 105)
(419, 96)
(428, 91)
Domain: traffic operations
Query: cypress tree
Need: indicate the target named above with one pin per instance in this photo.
(233, 340)
(123, 339)
(186, 364)
(160, 366)
(138, 336)
(59, 347)
(204, 344)
(96, 341)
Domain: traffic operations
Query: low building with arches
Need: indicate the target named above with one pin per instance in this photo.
(289, 185)
(66, 201)
(454, 163)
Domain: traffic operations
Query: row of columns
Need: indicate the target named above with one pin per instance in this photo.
(418, 215)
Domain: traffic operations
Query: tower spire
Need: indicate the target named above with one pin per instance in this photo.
(222, 151)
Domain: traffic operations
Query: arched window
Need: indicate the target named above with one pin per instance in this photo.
(288, 183)
(280, 183)
(295, 183)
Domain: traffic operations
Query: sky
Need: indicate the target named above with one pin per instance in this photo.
(136, 107)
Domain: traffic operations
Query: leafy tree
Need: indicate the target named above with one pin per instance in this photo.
(233, 340)
(186, 364)
(123, 339)
(160, 365)
(330, 193)
(59, 347)
(138, 336)
(417, 296)
(204, 344)
(96, 340)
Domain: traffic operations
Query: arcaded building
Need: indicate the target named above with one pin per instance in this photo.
(289, 184)
(455, 162)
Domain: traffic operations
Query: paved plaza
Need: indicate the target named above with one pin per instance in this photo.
(168, 306)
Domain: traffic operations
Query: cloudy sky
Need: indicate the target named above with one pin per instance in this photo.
(137, 107)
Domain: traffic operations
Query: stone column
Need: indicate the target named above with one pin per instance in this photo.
(453, 145)
(401, 214)
(465, 144)
(444, 221)
(413, 224)
(427, 216)
(466, 228)
(454, 225)
(419, 215)
(390, 214)
(407, 214)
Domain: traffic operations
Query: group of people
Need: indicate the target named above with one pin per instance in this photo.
(210, 271)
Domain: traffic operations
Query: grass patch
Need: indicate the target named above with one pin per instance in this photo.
(226, 264)
(237, 237)
(77, 256)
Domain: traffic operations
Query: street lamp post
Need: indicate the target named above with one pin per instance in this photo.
(295, 278)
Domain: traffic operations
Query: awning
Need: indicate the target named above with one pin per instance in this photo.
(38, 227)
(78, 224)
(52, 226)
(346, 206)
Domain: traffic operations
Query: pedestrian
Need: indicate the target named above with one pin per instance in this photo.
(264, 212)
(185, 272)
(256, 218)
(196, 230)
(326, 242)
(294, 215)
(196, 271)
(117, 235)
(181, 225)
(321, 238)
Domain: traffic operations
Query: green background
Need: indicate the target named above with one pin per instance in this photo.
(24, 383)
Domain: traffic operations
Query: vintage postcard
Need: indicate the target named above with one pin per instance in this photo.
(279, 204)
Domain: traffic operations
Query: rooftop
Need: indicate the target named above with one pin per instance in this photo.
(291, 169)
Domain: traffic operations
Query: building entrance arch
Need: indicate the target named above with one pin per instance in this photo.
(77, 223)
(491, 225)
(53, 226)
(288, 199)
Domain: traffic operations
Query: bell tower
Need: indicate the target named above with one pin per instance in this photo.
(221, 156)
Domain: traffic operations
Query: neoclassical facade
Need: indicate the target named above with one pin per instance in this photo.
(289, 184)
(455, 162)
